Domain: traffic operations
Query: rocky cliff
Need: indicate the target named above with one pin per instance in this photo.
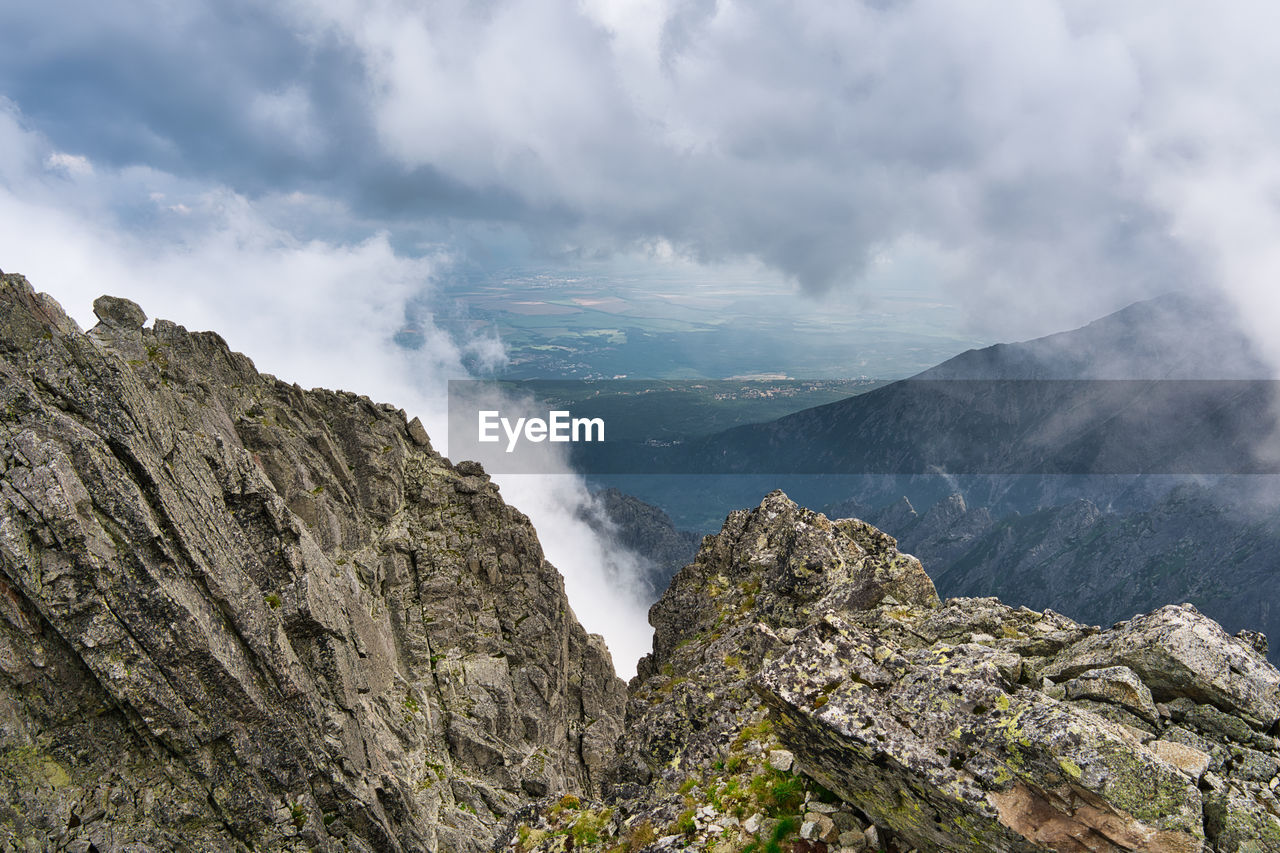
(808, 691)
(239, 615)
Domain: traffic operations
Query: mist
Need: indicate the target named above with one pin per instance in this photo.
(312, 312)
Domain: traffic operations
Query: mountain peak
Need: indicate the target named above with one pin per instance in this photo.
(1175, 336)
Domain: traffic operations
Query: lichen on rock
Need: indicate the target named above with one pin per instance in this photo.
(238, 615)
(809, 655)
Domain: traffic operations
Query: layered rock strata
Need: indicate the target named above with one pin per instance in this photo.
(235, 614)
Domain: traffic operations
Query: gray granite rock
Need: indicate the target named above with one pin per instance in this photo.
(239, 615)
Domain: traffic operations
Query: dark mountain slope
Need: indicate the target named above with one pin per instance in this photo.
(647, 531)
(1162, 387)
(1196, 544)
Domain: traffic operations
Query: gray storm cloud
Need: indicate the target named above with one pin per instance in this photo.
(1063, 158)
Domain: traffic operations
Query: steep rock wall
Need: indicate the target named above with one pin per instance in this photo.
(235, 614)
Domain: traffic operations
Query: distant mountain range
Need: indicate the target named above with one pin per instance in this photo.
(1158, 522)
(1168, 386)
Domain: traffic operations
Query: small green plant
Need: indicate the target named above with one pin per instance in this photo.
(730, 797)
(587, 827)
(297, 816)
(528, 838)
(752, 732)
(786, 826)
(773, 844)
(273, 600)
(567, 803)
(641, 835)
(777, 793)
(665, 689)
(684, 825)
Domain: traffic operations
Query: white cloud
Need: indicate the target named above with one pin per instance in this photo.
(1017, 139)
(71, 164)
(316, 313)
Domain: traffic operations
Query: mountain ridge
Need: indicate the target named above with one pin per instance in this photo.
(1174, 336)
(237, 615)
(241, 615)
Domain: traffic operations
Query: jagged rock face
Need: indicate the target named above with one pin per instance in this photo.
(967, 725)
(977, 726)
(769, 570)
(235, 614)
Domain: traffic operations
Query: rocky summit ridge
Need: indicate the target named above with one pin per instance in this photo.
(808, 691)
(237, 615)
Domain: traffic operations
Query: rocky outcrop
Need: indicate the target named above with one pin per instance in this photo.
(769, 570)
(958, 738)
(808, 690)
(239, 615)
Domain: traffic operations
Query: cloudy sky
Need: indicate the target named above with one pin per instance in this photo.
(1047, 154)
(292, 173)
